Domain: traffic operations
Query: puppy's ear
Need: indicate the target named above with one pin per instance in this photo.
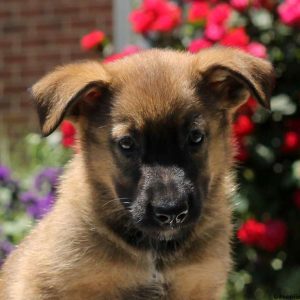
(229, 76)
(57, 93)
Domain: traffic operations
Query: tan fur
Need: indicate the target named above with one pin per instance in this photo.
(71, 254)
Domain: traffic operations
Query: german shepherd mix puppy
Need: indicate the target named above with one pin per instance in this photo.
(143, 210)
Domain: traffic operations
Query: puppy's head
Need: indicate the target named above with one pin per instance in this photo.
(154, 129)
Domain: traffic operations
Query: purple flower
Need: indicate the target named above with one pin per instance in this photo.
(5, 174)
(37, 207)
(47, 179)
(5, 248)
(46, 203)
(29, 197)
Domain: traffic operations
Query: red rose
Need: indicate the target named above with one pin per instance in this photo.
(220, 14)
(92, 40)
(289, 12)
(216, 21)
(250, 232)
(296, 198)
(198, 12)
(68, 134)
(199, 44)
(141, 20)
(236, 37)
(291, 142)
(257, 49)
(274, 235)
(155, 15)
(268, 236)
(214, 32)
(167, 20)
(243, 125)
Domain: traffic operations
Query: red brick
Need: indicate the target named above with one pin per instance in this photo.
(67, 41)
(66, 10)
(56, 57)
(14, 58)
(34, 42)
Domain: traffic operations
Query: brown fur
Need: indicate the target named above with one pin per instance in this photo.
(72, 253)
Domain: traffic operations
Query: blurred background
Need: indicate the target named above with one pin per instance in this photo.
(36, 36)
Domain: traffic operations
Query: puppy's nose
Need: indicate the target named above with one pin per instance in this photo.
(171, 215)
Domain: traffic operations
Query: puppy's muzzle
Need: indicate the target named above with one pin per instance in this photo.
(167, 198)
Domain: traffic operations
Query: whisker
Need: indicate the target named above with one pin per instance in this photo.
(116, 200)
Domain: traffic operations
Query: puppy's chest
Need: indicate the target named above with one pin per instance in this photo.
(153, 288)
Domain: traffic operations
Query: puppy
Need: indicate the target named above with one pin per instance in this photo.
(143, 210)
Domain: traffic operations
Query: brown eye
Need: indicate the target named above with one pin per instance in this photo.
(195, 137)
(127, 143)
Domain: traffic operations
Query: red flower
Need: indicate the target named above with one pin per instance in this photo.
(198, 12)
(168, 19)
(257, 49)
(289, 12)
(141, 20)
(220, 14)
(92, 40)
(274, 235)
(268, 236)
(68, 134)
(236, 37)
(250, 232)
(214, 31)
(155, 15)
(217, 18)
(129, 50)
(296, 198)
(199, 44)
(243, 125)
(291, 141)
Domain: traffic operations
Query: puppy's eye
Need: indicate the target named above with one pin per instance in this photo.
(127, 143)
(195, 137)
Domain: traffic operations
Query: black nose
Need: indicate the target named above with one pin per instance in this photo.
(171, 215)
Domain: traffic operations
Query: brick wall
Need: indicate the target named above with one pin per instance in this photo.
(35, 36)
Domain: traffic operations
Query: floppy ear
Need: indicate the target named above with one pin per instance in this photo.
(229, 76)
(58, 92)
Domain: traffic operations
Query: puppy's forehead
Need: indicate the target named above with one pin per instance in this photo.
(154, 86)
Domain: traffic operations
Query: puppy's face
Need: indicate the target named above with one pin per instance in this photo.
(155, 129)
(162, 163)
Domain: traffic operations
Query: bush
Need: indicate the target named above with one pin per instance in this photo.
(22, 202)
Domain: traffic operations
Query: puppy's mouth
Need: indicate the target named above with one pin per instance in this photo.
(161, 240)
(172, 234)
